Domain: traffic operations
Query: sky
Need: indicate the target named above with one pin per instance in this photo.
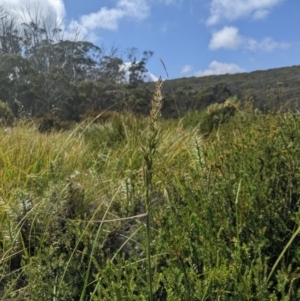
(191, 37)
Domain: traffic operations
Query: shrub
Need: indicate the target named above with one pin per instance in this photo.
(217, 114)
(6, 114)
(224, 211)
(48, 122)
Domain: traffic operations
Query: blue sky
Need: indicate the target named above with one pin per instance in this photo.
(192, 37)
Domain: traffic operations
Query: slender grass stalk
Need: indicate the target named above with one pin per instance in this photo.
(111, 260)
(237, 214)
(176, 105)
(149, 151)
(283, 252)
(87, 275)
(85, 284)
(237, 221)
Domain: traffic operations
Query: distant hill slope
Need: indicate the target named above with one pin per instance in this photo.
(196, 93)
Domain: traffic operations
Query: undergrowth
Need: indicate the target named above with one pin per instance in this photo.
(216, 196)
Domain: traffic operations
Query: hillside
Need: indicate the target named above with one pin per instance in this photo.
(196, 93)
(29, 88)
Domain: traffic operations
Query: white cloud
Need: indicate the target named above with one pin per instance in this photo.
(260, 14)
(227, 38)
(109, 18)
(215, 68)
(186, 69)
(105, 18)
(75, 31)
(235, 9)
(46, 8)
(137, 9)
(168, 2)
(267, 44)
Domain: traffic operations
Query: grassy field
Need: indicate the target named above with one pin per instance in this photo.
(201, 208)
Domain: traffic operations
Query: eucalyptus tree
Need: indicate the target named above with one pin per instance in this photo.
(40, 69)
(137, 69)
(17, 83)
(111, 66)
(10, 37)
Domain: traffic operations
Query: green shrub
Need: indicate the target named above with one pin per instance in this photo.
(217, 114)
(6, 114)
(47, 122)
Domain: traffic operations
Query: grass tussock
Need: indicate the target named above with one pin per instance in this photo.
(216, 195)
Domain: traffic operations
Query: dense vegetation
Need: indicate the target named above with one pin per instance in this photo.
(100, 202)
(269, 89)
(206, 207)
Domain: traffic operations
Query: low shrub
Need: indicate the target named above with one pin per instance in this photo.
(6, 114)
(217, 114)
(48, 122)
